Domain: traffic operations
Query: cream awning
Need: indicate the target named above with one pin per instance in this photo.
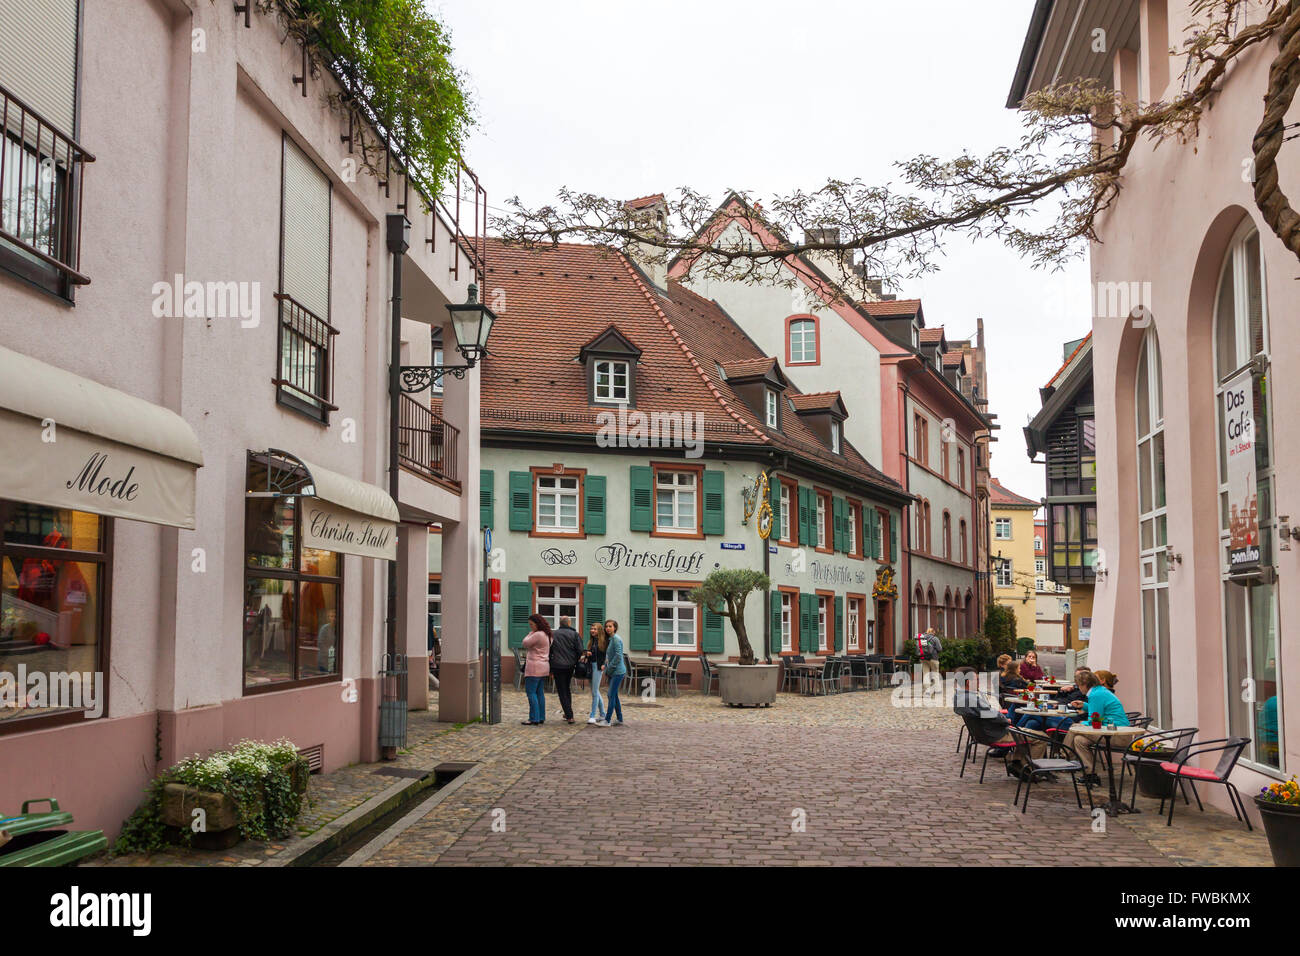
(69, 442)
(345, 514)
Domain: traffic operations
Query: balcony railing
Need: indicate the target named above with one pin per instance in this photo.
(306, 363)
(426, 444)
(40, 189)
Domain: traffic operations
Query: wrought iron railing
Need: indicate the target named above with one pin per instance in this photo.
(426, 444)
(306, 359)
(40, 188)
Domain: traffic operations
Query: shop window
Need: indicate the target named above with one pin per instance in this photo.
(54, 569)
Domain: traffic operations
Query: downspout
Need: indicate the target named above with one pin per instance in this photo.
(398, 242)
(905, 533)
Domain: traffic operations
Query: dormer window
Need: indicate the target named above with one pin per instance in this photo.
(771, 408)
(835, 436)
(612, 378)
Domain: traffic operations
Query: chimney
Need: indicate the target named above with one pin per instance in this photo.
(828, 261)
(650, 214)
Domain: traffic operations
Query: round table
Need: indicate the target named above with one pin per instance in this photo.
(1114, 806)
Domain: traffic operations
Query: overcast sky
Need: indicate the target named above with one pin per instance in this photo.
(627, 99)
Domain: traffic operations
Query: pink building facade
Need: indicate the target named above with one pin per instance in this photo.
(1195, 605)
(207, 302)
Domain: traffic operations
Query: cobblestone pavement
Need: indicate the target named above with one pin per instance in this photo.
(688, 780)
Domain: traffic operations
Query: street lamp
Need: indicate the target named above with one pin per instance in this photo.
(471, 323)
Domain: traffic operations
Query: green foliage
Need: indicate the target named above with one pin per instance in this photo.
(259, 777)
(1000, 629)
(1024, 645)
(399, 56)
(910, 650)
(725, 590)
(971, 652)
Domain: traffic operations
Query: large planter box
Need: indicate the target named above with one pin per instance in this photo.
(748, 685)
(180, 801)
(1282, 827)
(1154, 782)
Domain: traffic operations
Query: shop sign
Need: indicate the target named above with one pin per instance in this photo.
(331, 528)
(613, 557)
(1238, 440)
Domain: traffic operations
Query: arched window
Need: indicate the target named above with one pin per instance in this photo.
(936, 619)
(918, 608)
(1153, 564)
(919, 544)
(947, 535)
(949, 628)
(1247, 520)
(961, 534)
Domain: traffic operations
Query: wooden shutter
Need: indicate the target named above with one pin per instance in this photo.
(774, 613)
(714, 504)
(872, 546)
(593, 516)
(38, 50)
(593, 607)
(774, 499)
(641, 625)
(521, 501)
(641, 514)
(714, 634)
(893, 540)
(305, 232)
(839, 624)
(839, 536)
(520, 602)
(807, 624)
(804, 523)
(486, 501)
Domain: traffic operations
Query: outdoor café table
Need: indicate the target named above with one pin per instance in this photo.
(1121, 735)
(805, 670)
(653, 665)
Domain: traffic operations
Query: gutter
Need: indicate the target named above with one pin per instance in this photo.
(1029, 52)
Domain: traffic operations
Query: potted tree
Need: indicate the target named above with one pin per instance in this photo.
(1279, 807)
(745, 683)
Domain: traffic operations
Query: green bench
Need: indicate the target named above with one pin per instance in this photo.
(42, 839)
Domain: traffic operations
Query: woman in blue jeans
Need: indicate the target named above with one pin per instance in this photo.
(595, 658)
(537, 667)
(615, 670)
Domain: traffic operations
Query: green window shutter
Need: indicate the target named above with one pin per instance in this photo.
(804, 523)
(520, 594)
(871, 534)
(486, 501)
(593, 600)
(641, 625)
(593, 516)
(807, 624)
(839, 522)
(641, 515)
(521, 501)
(839, 624)
(774, 638)
(714, 503)
(714, 635)
(774, 499)
(893, 540)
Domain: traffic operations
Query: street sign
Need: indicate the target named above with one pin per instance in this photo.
(494, 590)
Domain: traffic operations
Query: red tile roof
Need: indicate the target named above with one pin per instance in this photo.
(954, 357)
(815, 401)
(892, 307)
(932, 336)
(1066, 364)
(744, 368)
(559, 298)
(1000, 495)
(645, 201)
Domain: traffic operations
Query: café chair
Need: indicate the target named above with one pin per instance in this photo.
(979, 737)
(1169, 741)
(708, 676)
(791, 676)
(1229, 750)
(1035, 767)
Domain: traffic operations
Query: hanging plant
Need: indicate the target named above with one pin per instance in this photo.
(404, 97)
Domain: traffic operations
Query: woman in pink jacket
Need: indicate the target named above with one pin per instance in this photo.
(537, 648)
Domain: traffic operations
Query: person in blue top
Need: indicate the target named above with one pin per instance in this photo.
(615, 671)
(1100, 701)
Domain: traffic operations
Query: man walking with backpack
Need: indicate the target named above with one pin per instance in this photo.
(566, 648)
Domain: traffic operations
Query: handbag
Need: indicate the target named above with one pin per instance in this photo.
(582, 670)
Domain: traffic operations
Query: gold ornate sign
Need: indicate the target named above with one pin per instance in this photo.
(758, 499)
(884, 586)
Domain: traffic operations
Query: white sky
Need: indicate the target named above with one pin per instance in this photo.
(627, 99)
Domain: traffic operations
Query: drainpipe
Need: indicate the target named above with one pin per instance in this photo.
(398, 236)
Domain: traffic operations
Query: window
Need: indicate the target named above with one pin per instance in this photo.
(676, 503)
(292, 593)
(675, 620)
(920, 526)
(947, 536)
(853, 623)
(1251, 624)
(1002, 529)
(851, 519)
(921, 439)
(823, 622)
(559, 599)
(803, 342)
(1040, 566)
(436, 383)
(961, 533)
(1004, 573)
(787, 621)
(1038, 542)
(435, 606)
(305, 379)
(557, 503)
(943, 458)
(835, 436)
(822, 509)
(771, 407)
(612, 381)
(54, 569)
(786, 523)
(1153, 562)
(40, 164)
(961, 468)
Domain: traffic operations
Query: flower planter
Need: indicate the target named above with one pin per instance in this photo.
(1282, 826)
(1154, 782)
(220, 815)
(748, 685)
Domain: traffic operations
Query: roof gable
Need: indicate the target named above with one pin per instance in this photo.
(609, 342)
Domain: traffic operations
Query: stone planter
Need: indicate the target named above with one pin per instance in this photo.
(1282, 827)
(748, 685)
(221, 816)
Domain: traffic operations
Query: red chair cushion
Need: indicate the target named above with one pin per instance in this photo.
(1003, 745)
(1200, 773)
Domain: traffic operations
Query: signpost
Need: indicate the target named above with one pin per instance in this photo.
(1238, 440)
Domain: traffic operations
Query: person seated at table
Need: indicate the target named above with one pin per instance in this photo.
(1011, 682)
(1070, 695)
(1029, 668)
(1107, 678)
(1002, 661)
(1100, 701)
(969, 702)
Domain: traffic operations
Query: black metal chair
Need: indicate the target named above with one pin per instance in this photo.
(791, 675)
(979, 737)
(708, 676)
(1032, 767)
(1229, 750)
(668, 674)
(1156, 748)
(829, 676)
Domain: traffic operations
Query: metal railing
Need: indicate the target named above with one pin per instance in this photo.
(306, 354)
(40, 188)
(426, 444)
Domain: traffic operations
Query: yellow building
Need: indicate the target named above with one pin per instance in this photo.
(1011, 555)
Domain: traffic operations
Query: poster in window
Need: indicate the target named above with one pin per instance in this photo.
(1239, 447)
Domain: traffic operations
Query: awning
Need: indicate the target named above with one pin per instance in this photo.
(68, 442)
(344, 514)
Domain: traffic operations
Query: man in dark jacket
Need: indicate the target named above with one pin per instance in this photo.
(565, 651)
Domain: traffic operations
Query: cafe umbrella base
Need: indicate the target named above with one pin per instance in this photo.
(1282, 827)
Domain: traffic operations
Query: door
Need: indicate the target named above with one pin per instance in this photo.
(884, 627)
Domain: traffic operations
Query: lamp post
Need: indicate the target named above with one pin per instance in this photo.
(471, 324)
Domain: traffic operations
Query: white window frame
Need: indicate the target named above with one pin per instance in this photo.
(803, 331)
(436, 383)
(435, 605)
(1153, 564)
(1000, 525)
(835, 436)
(614, 368)
(785, 512)
(787, 621)
(770, 407)
(852, 527)
(823, 617)
(558, 489)
(821, 520)
(1005, 573)
(560, 606)
(678, 602)
(677, 489)
(852, 618)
